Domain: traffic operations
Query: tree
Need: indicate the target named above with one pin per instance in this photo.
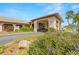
(76, 21)
(69, 16)
(70, 27)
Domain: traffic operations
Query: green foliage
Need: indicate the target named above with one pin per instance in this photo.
(76, 17)
(1, 49)
(55, 43)
(69, 16)
(70, 27)
(9, 30)
(51, 29)
(16, 30)
(23, 29)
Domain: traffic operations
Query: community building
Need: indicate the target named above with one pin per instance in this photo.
(10, 24)
(40, 24)
(49, 21)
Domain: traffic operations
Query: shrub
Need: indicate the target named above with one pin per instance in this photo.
(16, 30)
(51, 29)
(1, 49)
(55, 43)
(23, 29)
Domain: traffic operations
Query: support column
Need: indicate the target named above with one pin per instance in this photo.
(1, 27)
(15, 27)
(35, 26)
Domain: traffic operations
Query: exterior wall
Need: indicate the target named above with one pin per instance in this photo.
(1, 27)
(52, 23)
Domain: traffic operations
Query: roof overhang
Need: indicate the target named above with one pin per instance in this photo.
(55, 14)
(11, 20)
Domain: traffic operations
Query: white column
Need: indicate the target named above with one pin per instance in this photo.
(15, 27)
(1, 27)
(35, 26)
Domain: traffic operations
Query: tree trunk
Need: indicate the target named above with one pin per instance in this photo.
(68, 21)
(77, 27)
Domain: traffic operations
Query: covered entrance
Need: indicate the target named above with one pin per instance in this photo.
(43, 26)
(40, 25)
(44, 22)
(7, 27)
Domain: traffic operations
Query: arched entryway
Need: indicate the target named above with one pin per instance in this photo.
(7, 27)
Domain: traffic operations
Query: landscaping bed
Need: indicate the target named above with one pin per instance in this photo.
(50, 43)
(17, 47)
(56, 43)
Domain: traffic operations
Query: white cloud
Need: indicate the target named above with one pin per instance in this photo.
(58, 8)
(75, 6)
(52, 8)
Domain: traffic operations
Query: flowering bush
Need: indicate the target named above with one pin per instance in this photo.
(55, 43)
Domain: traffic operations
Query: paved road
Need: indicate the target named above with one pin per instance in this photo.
(12, 37)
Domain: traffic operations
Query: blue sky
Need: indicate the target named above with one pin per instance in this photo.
(28, 11)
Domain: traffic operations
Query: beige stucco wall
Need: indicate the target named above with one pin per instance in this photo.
(52, 23)
(1, 27)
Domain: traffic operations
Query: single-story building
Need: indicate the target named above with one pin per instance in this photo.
(45, 22)
(7, 24)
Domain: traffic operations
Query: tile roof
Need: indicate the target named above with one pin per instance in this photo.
(11, 20)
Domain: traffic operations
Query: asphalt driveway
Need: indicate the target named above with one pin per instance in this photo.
(6, 38)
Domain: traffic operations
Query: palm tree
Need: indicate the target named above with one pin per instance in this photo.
(69, 16)
(76, 21)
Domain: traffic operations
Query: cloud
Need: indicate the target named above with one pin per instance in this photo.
(58, 8)
(52, 8)
(75, 6)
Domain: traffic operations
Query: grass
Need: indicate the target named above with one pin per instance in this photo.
(29, 38)
(21, 52)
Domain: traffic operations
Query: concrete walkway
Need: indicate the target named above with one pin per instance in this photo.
(7, 38)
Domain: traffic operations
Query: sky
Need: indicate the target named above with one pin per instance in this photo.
(29, 11)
